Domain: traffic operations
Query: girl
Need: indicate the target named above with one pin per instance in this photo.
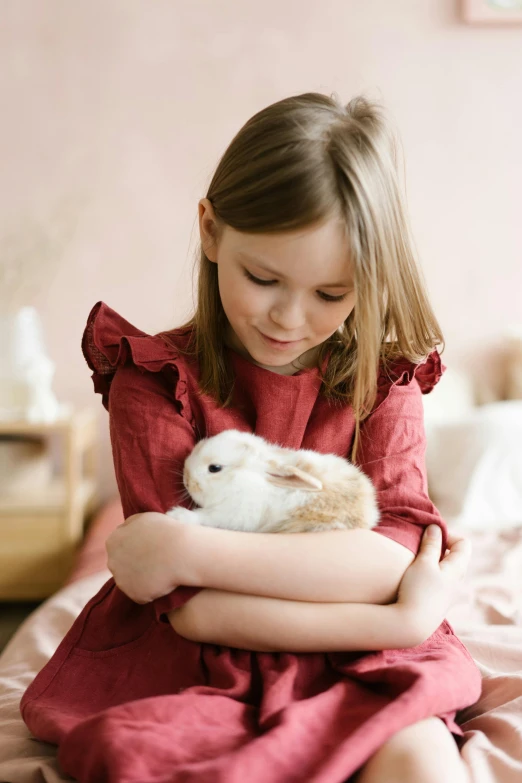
(301, 659)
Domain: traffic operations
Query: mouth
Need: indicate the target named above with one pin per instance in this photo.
(280, 344)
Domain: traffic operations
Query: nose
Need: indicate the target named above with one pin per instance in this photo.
(288, 314)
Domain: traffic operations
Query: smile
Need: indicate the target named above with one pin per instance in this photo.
(278, 343)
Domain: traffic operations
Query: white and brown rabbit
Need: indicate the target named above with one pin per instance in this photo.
(240, 481)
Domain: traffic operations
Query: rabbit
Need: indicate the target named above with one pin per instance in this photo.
(240, 481)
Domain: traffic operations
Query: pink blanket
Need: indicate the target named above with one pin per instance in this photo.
(487, 617)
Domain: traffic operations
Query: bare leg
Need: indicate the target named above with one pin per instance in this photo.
(425, 752)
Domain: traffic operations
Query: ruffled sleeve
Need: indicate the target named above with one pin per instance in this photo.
(392, 450)
(143, 383)
(401, 372)
(109, 342)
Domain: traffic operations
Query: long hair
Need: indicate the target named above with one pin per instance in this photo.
(299, 162)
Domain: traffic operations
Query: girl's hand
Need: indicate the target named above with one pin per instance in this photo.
(429, 587)
(144, 555)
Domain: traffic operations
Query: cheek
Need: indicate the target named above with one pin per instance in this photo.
(331, 316)
(240, 299)
(346, 308)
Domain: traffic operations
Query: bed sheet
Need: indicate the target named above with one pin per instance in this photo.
(23, 759)
(487, 617)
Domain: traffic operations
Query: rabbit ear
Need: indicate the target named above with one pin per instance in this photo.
(290, 477)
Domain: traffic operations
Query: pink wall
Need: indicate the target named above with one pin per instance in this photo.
(114, 113)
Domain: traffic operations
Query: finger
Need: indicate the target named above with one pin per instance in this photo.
(453, 537)
(459, 557)
(460, 550)
(130, 595)
(458, 544)
(430, 543)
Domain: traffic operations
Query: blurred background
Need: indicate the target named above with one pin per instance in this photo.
(114, 115)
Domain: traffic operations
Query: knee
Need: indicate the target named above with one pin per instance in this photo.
(430, 732)
(424, 751)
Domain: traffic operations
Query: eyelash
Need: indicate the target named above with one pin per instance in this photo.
(324, 297)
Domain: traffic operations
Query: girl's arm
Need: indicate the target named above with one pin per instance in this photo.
(361, 566)
(152, 553)
(252, 622)
(274, 625)
(334, 566)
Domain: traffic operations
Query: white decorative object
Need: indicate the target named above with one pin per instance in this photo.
(26, 372)
(32, 247)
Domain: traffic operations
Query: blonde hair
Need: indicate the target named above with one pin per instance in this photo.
(299, 162)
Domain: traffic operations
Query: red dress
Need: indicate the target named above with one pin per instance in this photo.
(127, 699)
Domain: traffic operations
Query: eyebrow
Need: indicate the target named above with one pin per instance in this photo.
(259, 262)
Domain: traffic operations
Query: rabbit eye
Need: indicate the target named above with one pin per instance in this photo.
(215, 468)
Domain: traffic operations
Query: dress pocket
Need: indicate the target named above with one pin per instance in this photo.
(113, 624)
(119, 648)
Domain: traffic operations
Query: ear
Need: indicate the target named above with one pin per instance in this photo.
(290, 477)
(209, 229)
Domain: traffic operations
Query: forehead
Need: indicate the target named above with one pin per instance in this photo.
(317, 255)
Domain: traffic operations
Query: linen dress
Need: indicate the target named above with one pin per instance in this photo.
(127, 699)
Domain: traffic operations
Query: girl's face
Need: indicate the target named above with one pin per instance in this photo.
(295, 287)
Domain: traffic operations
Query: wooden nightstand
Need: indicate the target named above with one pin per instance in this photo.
(40, 530)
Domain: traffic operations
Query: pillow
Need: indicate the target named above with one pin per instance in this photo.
(452, 397)
(474, 465)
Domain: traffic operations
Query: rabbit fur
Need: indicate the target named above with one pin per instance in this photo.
(240, 481)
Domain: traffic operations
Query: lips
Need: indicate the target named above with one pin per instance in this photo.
(284, 342)
(279, 345)
(277, 340)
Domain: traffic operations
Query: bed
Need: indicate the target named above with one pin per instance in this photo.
(487, 614)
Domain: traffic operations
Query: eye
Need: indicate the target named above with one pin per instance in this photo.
(324, 297)
(215, 468)
(328, 298)
(257, 280)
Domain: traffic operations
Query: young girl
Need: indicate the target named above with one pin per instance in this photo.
(281, 657)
